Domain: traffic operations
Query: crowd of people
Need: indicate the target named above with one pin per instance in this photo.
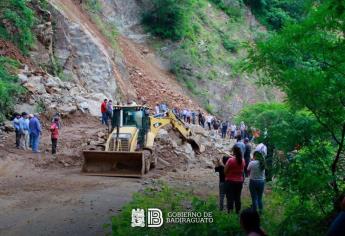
(28, 131)
(233, 169)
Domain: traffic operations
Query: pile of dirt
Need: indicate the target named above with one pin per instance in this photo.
(176, 155)
(8, 49)
(152, 83)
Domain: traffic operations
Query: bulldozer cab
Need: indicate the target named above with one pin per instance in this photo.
(132, 116)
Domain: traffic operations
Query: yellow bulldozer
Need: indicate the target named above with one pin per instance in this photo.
(129, 147)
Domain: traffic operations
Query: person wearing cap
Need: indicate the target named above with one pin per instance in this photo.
(16, 127)
(24, 131)
(36, 131)
(54, 129)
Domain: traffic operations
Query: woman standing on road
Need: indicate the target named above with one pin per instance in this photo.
(234, 179)
(257, 179)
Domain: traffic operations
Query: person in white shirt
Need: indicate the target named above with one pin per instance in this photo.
(157, 109)
(209, 121)
(262, 148)
(233, 131)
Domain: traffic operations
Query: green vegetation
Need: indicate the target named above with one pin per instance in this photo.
(156, 197)
(206, 40)
(170, 19)
(276, 13)
(304, 60)
(94, 8)
(17, 22)
(233, 9)
(9, 87)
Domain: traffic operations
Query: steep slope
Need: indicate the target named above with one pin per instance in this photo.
(206, 64)
(139, 78)
(85, 53)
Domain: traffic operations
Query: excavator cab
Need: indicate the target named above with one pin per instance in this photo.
(122, 155)
(128, 150)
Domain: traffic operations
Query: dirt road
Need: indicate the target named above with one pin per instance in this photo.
(60, 202)
(40, 195)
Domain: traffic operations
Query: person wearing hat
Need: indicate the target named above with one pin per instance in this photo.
(54, 129)
(35, 131)
(24, 131)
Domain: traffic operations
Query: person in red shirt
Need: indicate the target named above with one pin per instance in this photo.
(234, 179)
(104, 112)
(54, 129)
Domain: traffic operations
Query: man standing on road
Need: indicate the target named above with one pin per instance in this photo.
(16, 127)
(36, 131)
(54, 129)
(104, 112)
(24, 131)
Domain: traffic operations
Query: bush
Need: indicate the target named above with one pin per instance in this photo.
(19, 20)
(9, 88)
(170, 19)
(232, 8)
(230, 45)
(277, 13)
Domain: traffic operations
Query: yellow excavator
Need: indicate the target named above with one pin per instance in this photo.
(129, 147)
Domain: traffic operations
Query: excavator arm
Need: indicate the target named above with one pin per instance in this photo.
(157, 123)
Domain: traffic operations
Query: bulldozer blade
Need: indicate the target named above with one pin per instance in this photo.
(121, 164)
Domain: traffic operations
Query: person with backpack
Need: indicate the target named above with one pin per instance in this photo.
(220, 169)
(234, 179)
(224, 129)
(256, 169)
(54, 129)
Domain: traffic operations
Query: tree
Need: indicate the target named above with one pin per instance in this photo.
(170, 18)
(306, 62)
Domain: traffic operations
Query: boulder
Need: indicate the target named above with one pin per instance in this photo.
(8, 126)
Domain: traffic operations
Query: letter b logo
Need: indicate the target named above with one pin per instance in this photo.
(154, 217)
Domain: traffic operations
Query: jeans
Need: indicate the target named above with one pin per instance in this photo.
(233, 195)
(221, 195)
(54, 145)
(104, 118)
(256, 188)
(223, 133)
(35, 142)
(18, 138)
(24, 140)
(31, 140)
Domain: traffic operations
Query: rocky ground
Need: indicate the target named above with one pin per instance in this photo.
(43, 195)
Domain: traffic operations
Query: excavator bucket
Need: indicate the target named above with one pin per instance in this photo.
(122, 164)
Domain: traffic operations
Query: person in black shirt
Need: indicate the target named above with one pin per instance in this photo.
(247, 151)
(220, 169)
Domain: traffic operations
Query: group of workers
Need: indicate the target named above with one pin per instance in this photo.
(28, 130)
